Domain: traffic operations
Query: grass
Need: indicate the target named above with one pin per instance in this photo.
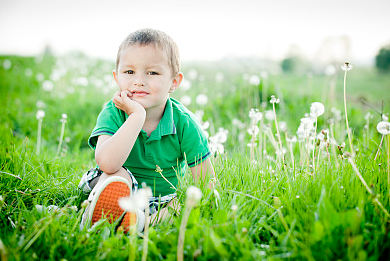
(282, 212)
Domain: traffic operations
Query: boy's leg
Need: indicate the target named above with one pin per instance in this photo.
(163, 213)
(105, 195)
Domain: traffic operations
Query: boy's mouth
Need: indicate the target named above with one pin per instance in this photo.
(139, 93)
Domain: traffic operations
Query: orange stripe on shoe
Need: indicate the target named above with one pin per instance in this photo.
(107, 204)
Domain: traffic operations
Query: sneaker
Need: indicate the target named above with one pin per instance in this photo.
(104, 203)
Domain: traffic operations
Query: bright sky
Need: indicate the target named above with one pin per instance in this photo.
(203, 29)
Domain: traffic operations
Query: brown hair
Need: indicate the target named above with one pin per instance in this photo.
(158, 39)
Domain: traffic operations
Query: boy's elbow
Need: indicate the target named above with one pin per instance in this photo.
(106, 165)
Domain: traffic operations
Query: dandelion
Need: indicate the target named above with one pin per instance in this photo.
(347, 67)
(40, 115)
(186, 100)
(385, 117)
(234, 208)
(28, 72)
(254, 80)
(63, 121)
(7, 64)
(185, 85)
(255, 115)
(269, 115)
(40, 77)
(383, 128)
(193, 197)
(219, 77)
(201, 99)
(216, 141)
(330, 70)
(273, 101)
(192, 74)
(317, 109)
(47, 86)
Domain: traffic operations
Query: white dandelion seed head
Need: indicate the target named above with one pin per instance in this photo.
(201, 99)
(238, 123)
(385, 117)
(317, 109)
(255, 115)
(219, 77)
(194, 194)
(264, 75)
(185, 85)
(297, 196)
(383, 127)
(40, 104)
(282, 126)
(186, 100)
(254, 80)
(28, 72)
(292, 139)
(205, 125)
(274, 99)
(47, 86)
(368, 116)
(7, 64)
(253, 130)
(347, 66)
(330, 70)
(40, 114)
(269, 115)
(234, 207)
(192, 74)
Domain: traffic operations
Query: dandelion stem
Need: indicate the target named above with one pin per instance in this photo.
(277, 131)
(183, 225)
(61, 138)
(39, 136)
(146, 235)
(346, 115)
(380, 145)
(388, 162)
(314, 147)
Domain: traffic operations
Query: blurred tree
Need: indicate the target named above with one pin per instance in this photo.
(382, 59)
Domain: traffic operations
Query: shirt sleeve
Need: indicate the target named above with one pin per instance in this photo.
(194, 142)
(108, 122)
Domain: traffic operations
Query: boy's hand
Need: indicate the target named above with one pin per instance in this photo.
(123, 101)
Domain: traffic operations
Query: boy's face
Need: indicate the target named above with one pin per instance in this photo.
(144, 71)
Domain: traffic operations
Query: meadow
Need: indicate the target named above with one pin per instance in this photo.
(289, 186)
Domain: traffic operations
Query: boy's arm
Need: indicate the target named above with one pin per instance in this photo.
(112, 151)
(205, 172)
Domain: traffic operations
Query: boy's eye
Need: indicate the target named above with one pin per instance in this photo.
(153, 73)
(129, 72)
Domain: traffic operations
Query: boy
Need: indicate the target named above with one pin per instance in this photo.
(141, 128)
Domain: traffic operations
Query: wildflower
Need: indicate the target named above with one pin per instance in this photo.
(234, 208)
(140, 200)
(64, 117)
(40, 114)
(282, 126)
(219, 77)
(201, 99)
(347, 66)
(368, 116)
(217, 140)
(40, 77)
(292, 139)
(254, 80)
(186, 100)
(238, 123)
(253, 130)
(28, 72)
(317, 109)
(274, 99)
(255, 115)
(297, 196)
(269, 115)
(40, 104)
(330, 70)
(385, 117)
(383, 127)
(185, 85)
(192, 74)
(47, 86)
(193, 197)
(7, 64)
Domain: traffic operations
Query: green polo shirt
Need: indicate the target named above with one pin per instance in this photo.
(177, 141)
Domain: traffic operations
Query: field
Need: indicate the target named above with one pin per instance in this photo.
(280, 197)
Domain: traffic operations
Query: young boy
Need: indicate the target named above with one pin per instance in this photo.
(142, 128)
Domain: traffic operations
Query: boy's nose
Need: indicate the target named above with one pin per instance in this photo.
(139, 81)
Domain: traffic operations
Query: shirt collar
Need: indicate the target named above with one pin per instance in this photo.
(166, 126)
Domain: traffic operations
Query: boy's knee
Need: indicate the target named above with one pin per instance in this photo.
(120, 173)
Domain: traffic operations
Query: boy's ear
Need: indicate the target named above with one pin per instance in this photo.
(115, 76)
(176, 82)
